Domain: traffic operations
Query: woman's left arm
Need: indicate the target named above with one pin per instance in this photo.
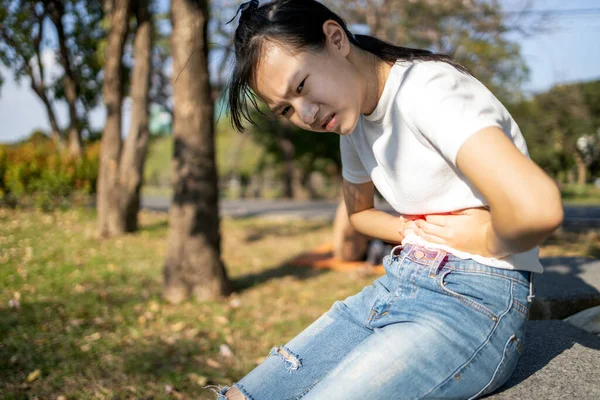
(525, 203)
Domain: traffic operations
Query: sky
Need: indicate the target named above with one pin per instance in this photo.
(568, 52)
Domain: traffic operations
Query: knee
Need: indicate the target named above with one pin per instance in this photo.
(235, 394)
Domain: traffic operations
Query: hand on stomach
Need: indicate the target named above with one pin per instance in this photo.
(463, 230)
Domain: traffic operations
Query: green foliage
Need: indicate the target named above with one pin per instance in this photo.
(19, 36)
(553, 121)
(35, 173)
(25, 32)
(84, 34)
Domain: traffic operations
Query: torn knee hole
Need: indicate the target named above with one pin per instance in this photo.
(235, 394)
(291, 360)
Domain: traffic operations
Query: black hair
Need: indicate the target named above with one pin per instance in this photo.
(299, 25)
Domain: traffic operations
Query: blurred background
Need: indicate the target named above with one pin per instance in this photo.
(146, 251)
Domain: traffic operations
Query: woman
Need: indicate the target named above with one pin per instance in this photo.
(447, 320)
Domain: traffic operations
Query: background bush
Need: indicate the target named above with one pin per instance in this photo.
(36, 173)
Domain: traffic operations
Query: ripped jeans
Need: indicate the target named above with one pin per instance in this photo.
(434, 326)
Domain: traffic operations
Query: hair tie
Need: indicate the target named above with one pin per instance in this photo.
(247, 6)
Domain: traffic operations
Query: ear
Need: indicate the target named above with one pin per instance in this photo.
(336, 37)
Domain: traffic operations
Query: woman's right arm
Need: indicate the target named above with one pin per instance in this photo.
(366, 219)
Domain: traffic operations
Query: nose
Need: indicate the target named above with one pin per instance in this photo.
(307, 112)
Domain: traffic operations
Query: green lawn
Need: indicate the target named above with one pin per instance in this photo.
(581, 195)
(91, 323)
(83, 318)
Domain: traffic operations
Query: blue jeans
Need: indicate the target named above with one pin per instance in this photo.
(434, 326)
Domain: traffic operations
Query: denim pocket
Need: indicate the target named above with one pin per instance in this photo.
(481, 292)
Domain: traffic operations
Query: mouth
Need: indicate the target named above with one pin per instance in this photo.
(329, 122)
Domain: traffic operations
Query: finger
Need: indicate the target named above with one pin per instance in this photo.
(429, 237)
(409, 232)
(409, 228)
(440, 220)
(410, 225)
(433, 229)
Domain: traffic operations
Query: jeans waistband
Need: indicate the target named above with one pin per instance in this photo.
(434, 258)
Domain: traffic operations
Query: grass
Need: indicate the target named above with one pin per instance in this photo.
(82, 317)
(581, 195)
(91, 323)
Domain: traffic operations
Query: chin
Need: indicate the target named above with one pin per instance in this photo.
(346, 130)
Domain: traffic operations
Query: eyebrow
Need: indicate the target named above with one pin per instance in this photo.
(276, 108)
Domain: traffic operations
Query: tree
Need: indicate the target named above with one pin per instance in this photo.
(193, 265)
(110, 216)
(121, 169)
(161, 92)
(78, 30)
(22, 34)
(23, 30)
(131, 168)
(568, 114)
(57, 12)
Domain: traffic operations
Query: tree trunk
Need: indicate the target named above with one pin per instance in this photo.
(109, 212)
(581, 168)
(56, 9)
(131, 168)
(75, 145)
(38, 84)
(193, 263)
(54, 128)
(571, 176)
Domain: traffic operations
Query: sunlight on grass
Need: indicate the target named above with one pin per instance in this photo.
(83, 318)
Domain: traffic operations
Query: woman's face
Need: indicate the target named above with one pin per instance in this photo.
(317, 91)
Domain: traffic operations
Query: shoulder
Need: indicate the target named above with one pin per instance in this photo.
(434, 76)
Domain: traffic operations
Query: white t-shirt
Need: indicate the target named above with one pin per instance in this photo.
(408, 146)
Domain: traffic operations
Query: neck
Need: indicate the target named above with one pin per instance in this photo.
(374, 73)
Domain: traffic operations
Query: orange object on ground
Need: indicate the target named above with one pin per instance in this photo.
(322, 257)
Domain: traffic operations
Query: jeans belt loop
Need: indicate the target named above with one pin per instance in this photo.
(395, 256)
